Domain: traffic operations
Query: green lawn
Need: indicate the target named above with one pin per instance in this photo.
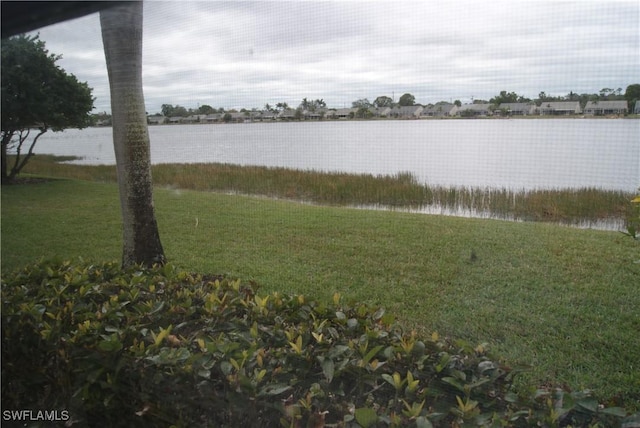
(563, 300)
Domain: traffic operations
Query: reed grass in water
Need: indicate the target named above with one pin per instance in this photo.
(402, 190)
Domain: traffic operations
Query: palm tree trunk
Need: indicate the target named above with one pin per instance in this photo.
(122, 39)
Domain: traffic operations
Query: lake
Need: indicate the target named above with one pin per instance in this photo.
(515, 153)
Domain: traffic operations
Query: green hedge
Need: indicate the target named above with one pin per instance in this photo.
(162, 347)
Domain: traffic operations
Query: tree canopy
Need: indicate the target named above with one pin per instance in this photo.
(383, 101)
(508, 97)
(37, 94)
(632, 95)
(312, 105)
(361, 103)
(206, 109)
(177, 110)
(407, 100)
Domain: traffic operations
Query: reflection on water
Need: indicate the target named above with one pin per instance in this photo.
(610, 224)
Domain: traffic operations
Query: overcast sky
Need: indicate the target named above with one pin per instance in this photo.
(246, 54)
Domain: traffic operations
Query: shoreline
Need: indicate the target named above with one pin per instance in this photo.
(587, 206)
(381, 119)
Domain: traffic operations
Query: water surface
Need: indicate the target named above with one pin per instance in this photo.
(515, 154)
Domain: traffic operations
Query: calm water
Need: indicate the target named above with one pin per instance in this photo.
(518, 154)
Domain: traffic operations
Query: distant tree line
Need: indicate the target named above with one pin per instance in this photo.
(364, 106)
(605, 94)
(631, 95)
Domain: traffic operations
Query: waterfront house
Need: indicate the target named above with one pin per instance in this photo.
(194, 118)
(240, 116)
(342, 113)
(252, 115)
(315, 114)
(406, 112)
(470, 110)
(287, 114)
(268, 115)
(516, 109)
(156, 120)
(559, 108)
(381, 111)
(211, 118)
(606, 107)
(438, 110)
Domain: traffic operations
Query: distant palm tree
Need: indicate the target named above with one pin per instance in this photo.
(122, 39)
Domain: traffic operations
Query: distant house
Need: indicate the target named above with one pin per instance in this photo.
(239, 116)
(406, 112)
(194, 118)
(211, 118)
(268, 115)
(516, 109)
(606, 107)
(315, 115)
(287, 114)
(381, 111)
(156, 120)
(471, 110)
(344, 113)
(252, 115)
(636, 110)
(559, 108)
(437, 110)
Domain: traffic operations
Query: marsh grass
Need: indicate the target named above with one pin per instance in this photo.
(402, 190)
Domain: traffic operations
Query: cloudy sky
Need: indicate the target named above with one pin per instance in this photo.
(236, 54)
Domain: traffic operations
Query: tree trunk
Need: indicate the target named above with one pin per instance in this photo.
(122, 39)
(4, 169)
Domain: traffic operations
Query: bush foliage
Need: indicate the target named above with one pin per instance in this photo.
(163, 347)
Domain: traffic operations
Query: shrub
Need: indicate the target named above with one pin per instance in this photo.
(163, 347)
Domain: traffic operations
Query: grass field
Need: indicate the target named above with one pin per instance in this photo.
(563, 300)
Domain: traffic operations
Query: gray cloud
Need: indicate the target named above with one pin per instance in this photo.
(245, 54)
